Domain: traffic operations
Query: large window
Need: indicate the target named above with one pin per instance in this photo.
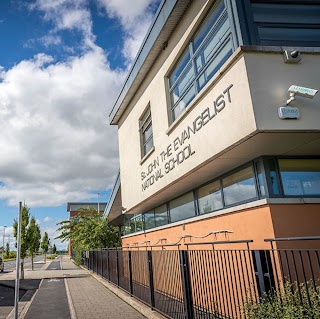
(182, 208)
(239, 187)
(146, 134)
(300, 177)
(206, 53)
(209, 198)
(264, 177)
(149, 221)
(161, 215)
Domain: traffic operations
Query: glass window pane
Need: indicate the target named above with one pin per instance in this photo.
(145, 120)
(217, 62)
(148, 146)
(201, 61)
(275, 188)
(161, 215)
(149, 221)
(184, 60)
(300, 176)
(239, 186)
(262, 185)
(210, 198)
(138, 222)
(147, 133)
(211, 46)
(185, 101)
(182, 208)
(127, 228)
(132, 226)
(182, 85)
(207, 25)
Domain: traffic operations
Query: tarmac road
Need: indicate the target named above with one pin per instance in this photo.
(54, 265)
(50, 301)
(7, 293)
(11, 265)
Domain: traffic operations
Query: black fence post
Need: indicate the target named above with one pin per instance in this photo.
(117, 266)
(151, 283)
(88, 259)
(101, 263)
(91, 261)
(96, 263)
(130, 274)
(108, 262)
(186, 284)
(259, 272)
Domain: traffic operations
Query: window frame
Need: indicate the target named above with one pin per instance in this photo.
(145, 122)
(229, 36)
(250, 28)
(234, 171)
(283, 195)
(265, 172)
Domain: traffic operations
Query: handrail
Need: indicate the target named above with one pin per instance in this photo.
(292, 238)
(244, 241)
(151, 246)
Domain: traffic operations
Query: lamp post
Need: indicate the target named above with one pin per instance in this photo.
(4, 232)
(98, 203)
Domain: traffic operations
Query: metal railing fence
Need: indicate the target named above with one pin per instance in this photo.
(206, 283)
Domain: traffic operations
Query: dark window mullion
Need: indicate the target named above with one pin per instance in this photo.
(223, 43)
(146, 142)
(174, 85)
(182, 96)
(216, 26)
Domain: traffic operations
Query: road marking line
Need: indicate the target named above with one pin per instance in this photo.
(70, 303)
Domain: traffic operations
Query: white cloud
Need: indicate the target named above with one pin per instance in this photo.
(56, 143)
(67, 15)
(9, 238)
(47, 219)
(56, 139)
(135, 20)
(52, 234)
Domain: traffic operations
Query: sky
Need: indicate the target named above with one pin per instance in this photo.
(62, 65)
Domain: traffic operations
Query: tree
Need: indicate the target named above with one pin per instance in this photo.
(33, 238)
(24, 227)
(7, 250)
(88, 232)
(54, 249)
(25, 216)
(45, 245)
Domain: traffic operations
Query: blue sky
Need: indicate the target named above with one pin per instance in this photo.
(62, 65)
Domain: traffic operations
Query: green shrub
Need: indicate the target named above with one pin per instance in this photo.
(53, 256)
(13, 254)
(291, 302)
(78, 257)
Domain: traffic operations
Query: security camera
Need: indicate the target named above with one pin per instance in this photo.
(294, 54)
(302, 91)
(291, 56)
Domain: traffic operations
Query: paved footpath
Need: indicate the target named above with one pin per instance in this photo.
(86, 292)
(69, 292)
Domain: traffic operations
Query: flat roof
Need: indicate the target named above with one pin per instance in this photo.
(86, 204)
(113, 209)
(165, 21)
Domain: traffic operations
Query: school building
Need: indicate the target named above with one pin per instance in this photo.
(219, 125)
